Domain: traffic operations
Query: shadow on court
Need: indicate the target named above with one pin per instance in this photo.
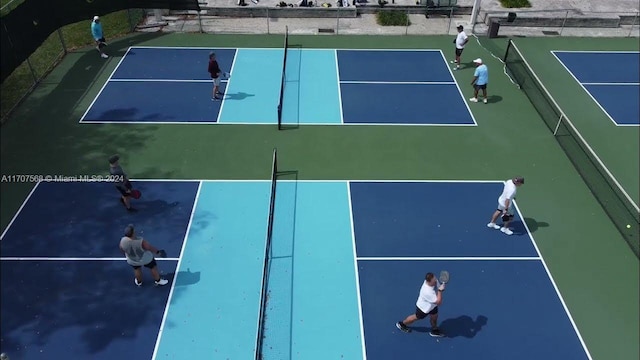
(534, 225)
(462, 326)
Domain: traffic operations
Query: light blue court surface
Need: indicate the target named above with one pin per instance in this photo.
(612, 79)
(164, 85)
(346, 262)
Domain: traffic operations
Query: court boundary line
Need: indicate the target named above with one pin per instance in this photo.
(614, 84)
(553, 283)
(600, 51)
(63, 258)
(397, 82)
(276, 48)
(175, 278)
(553, 52)
(226, 88)
(335, 53)
(165, 80)
(104, 86)
(266, 123)
(449, 258)
(15, 216)
(320, 180)
(464, 100)
(357, 272)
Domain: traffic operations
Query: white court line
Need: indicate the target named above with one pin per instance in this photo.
(275, 48)
(397, 82)
(104, 85)
(325, 181)
(15, 216)
(339, 89)
(357, 273)
(464, 100)
(262, 123)
(544, 264)
(175, 278)
(226, 88)
(164, 80)
(598, 51)
(36, 258)
(613, 84)
(451, 258)
(588, 92)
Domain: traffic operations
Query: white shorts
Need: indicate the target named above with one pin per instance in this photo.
(501, 206)
(216, 81)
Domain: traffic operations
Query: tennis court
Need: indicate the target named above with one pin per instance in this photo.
(157, 85)
(347, 254)
(322, 260)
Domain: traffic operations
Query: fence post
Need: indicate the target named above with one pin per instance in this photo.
(338, 21)
(268, 20)
(64, 46)
(406, 27)
(635, 21)
(451, 19)
(566, 15)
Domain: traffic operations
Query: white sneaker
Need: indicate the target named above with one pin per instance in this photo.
(506, 231)
(484, 101)
(136, 282)
(473, 99)
(162, 282)
(104, 56)
(493, 226)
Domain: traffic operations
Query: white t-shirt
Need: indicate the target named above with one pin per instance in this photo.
(462, 37)
(427, 298)
(509, 192)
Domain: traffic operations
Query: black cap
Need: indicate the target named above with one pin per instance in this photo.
(128, 231)
(460, 27)
(114, 159)
(518, 179)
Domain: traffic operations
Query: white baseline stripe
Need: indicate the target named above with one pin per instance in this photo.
(398, 82)
(175, 278)
(613, 84)
(19, 210)
(166, 80)
(357, 273)
(452, 258)
(36, 258)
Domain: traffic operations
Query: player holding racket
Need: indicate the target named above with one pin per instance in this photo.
(505, 205)
(140, 253)
(428, 301)
(121, 181)
(216, 73)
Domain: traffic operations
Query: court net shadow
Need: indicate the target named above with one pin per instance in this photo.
(462, 326)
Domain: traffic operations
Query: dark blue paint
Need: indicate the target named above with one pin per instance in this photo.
(156, 102)
(88, 220)
(621, 102)
(172, 64)
(490, 310)
(605, 67)
(401, 65)
(432, 219)
(404, 104)
(79, 310)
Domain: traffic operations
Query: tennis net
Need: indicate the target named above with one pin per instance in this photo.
(284, 75)
(615, 201)
(267, 257)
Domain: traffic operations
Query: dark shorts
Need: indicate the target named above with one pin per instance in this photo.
(459, 52)
(421, 315)
(480, 87)
(124, 190)
(150, 265)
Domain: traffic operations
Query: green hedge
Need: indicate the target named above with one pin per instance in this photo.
(515, 3)
(392, 18)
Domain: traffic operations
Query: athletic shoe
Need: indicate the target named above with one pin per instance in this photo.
(162, 282)
(473, 99)
(403, 327)
(493, 226)
(104, 56)
(485, 101)
(136, 282)
(436, 333)
(506, 230)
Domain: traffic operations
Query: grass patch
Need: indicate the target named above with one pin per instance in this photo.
(392, 18)
(77, 35)
(515, 3)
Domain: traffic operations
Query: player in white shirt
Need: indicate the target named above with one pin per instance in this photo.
(505, 205)
(427, 304)
(460, 41)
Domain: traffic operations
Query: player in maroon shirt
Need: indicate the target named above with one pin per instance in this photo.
(215, 72)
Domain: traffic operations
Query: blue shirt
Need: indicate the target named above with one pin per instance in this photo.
(96, 30)
(483, 75)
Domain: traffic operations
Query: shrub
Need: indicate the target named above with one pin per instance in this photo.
(392, 18)
(515, 3)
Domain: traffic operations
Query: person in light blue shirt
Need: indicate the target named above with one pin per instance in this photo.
(480, 80)
(98, 36)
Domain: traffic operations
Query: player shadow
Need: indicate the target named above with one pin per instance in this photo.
(237, 96)
(494, 99)
(534, 225)
(462, 326)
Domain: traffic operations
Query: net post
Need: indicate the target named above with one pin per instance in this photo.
(506, 53)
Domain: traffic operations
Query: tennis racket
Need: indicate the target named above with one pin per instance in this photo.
(507, 217)
(136, 194)
(444, 277)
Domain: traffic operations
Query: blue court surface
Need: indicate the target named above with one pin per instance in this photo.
(612, 79)
(165, 85)
(347, 262)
